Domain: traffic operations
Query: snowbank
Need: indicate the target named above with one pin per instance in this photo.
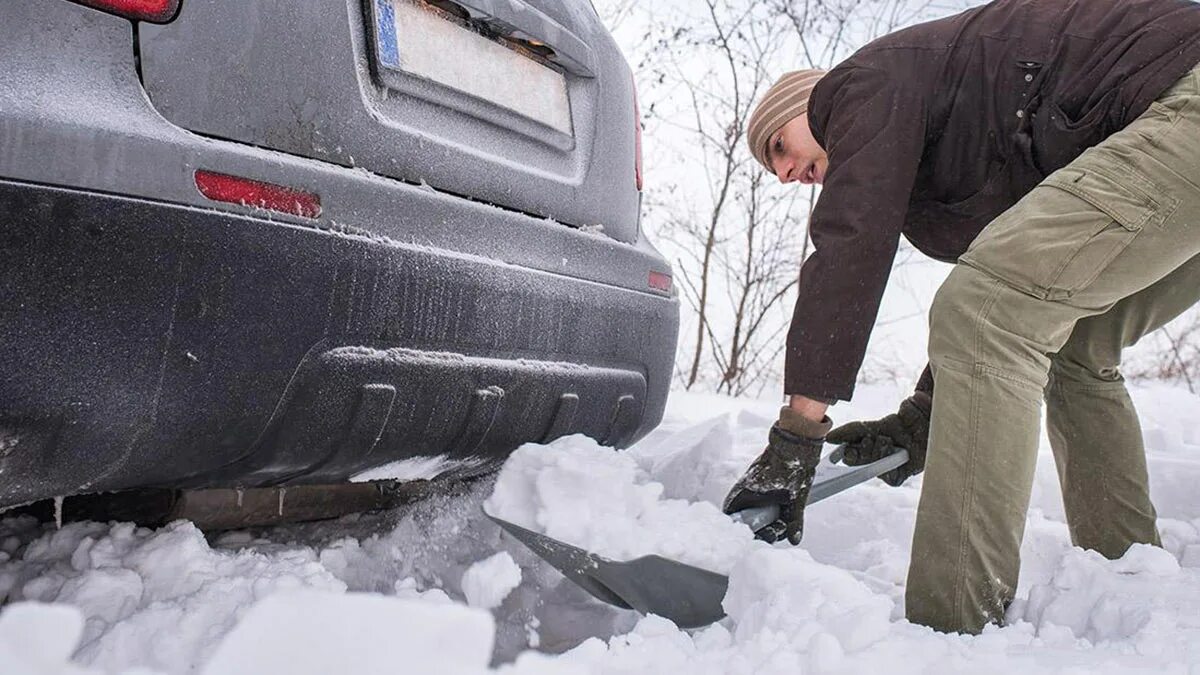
(38, 639)
(354, 591)
(310, 633)
(790, 610)
(155, 599)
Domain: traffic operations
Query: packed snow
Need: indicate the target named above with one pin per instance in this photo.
(435, 587)
(290, 633)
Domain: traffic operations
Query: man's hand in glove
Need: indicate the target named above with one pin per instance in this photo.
(908, 428)
(782, 476)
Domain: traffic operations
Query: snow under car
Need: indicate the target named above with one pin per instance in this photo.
(277, 243)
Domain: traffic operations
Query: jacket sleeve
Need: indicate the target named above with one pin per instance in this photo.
(874, 136)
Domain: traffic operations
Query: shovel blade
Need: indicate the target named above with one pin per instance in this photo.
(575, 563)
(688, 595)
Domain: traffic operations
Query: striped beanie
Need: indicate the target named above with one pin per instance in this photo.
(783, 102)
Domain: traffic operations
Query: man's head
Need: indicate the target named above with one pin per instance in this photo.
(779, 135)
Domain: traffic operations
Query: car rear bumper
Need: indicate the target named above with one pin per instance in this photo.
(156, 344)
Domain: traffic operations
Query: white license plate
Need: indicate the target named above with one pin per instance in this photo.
(418, 40)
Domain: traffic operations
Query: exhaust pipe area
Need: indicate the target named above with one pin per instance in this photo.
(214, 510)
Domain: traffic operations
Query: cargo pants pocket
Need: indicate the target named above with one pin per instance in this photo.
(1062, 235)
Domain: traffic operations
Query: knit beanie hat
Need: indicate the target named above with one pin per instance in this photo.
(783, 102)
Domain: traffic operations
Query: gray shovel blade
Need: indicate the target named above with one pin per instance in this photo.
(688, 595)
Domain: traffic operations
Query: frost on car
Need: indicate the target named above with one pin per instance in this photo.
(272, 243)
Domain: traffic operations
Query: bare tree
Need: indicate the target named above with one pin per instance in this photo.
(614, 13)
(737, 257)
(1171, 353)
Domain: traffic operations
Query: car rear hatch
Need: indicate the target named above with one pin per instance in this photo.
(524, 104)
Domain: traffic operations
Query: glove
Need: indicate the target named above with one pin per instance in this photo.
(781, 476)
(908, 428)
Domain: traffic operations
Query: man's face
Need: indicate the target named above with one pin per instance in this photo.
(795, 155)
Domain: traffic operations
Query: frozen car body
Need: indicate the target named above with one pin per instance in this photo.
(450, 297)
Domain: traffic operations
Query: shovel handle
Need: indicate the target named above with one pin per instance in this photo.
(759, 517)
(756, 518)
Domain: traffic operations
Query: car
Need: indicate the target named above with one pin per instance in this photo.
(274, 243)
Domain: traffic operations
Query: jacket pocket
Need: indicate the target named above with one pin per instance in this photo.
(1062, 235)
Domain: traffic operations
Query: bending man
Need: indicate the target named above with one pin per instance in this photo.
(1051, 148)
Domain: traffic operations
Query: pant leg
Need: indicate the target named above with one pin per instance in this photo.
(1117, 220)
(1093, 426)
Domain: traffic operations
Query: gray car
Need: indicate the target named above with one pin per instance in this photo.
(278, 242)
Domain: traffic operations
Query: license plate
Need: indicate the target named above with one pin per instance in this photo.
(418, 40)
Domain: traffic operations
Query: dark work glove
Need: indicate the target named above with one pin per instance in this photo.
(908, 429)
(781, 476)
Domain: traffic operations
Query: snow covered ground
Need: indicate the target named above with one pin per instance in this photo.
(435, 588)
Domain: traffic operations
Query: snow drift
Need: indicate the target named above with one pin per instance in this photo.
(435, 588)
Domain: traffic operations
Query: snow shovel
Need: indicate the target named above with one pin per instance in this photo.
(688, 595)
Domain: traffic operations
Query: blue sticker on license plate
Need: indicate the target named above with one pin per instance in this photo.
(389, 52)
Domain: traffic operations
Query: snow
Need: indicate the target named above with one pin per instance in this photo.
(152, 598)
(488, 582)
(291, 633)
(434, 587)
(1106, 601)
(416, 468)
(578, 491)
(38, 639)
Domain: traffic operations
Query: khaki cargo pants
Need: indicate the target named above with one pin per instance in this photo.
(1104, 251)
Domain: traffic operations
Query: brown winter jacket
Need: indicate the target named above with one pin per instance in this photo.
(935, 130)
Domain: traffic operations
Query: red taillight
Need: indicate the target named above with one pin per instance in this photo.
(222, 187)
(155, 11)
(660, 282)
(637, 136)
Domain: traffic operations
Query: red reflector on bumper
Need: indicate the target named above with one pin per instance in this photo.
(221, 187)
(660, 282)
(157, 11)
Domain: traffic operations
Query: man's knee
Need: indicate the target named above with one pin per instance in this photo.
(978, 320)
(1072, 371)
(1090, 358)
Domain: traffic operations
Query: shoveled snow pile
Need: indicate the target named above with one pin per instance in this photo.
(580, 492)
(434, 587)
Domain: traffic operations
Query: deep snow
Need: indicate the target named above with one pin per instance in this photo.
(435, 588)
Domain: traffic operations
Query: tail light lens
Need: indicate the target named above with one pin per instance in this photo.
(660, 281)
(154, 11)
(637, 136)
(221, 187)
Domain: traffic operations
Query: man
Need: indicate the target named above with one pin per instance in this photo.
(1052, 149)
